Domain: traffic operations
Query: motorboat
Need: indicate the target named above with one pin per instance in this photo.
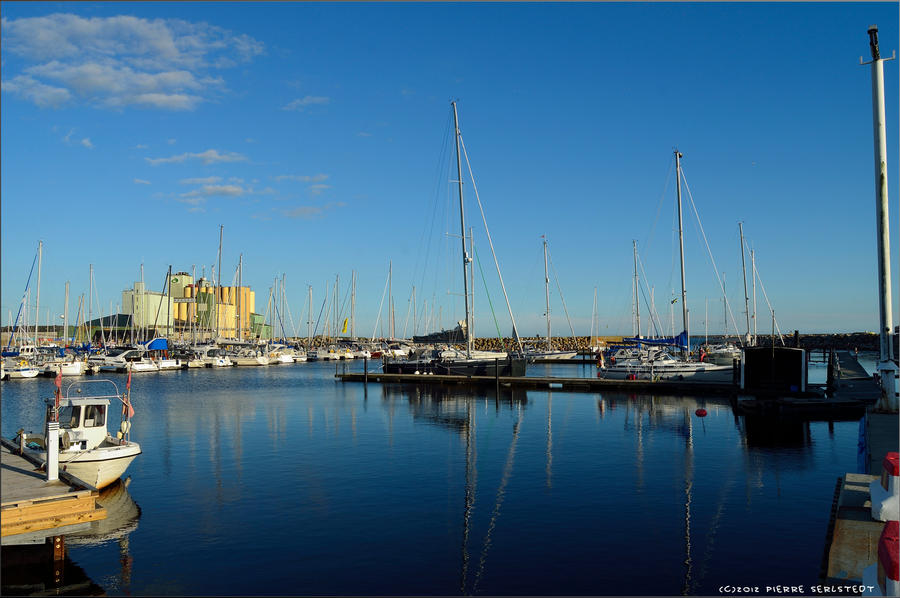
(246, 357)
(86, 448)
(660, 365)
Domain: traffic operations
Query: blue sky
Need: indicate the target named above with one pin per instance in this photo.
(317, 134)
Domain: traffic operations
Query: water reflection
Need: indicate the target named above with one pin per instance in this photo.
(30, 570)
(448, 407)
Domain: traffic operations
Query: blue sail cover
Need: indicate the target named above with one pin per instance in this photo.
(679, 341)
(158, 344)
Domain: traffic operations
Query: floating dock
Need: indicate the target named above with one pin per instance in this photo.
(34, 509)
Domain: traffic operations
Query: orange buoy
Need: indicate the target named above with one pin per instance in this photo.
(701, 412)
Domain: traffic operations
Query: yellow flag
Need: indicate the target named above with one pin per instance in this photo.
(344, 329)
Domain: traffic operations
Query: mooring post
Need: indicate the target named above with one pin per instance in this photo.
(497, 373)
(365, 370)
(52, 451)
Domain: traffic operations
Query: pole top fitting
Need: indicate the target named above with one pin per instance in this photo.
(873, 41)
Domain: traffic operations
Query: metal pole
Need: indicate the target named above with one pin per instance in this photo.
(753, 278)
(462, 233)
(37, 309)
(886, 367)
(637, 291)
(547, 293)
(744, 270)
(52, 451)
(678, 156)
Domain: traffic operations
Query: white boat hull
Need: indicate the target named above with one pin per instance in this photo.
(100, 472)
(696, 372)
(98, 467)
(22, 372)
(554, 355)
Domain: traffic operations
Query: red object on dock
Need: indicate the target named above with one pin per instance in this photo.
(889, 550)
(891, 464)
(701, 412)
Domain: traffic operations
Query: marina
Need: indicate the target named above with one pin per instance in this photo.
(362, 383)
(372, 460)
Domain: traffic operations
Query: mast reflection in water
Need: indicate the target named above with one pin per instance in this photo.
(282, 480)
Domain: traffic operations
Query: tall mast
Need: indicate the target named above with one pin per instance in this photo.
(472, 283)
(309, 321)
(353, 305)
(753, 279)
(746, 296)
(218, 277)
(547, 295)
(415, 313)
(143, 307)
(724, 308)
(91, 306)
(168, 303)
(240, 334)
(65, 333)
(37, 309)
(462, 231)
(390, 299)
(637, 291)
(678, 156)
(192, 307)
(887, 369)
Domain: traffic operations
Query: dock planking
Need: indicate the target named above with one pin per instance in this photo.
(686, 387)
(31, 504)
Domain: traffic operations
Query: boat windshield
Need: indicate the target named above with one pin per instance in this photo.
(69, 416)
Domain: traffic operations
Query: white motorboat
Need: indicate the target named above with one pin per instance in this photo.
(250, 357)
(70, 367)
(722, 354)
(211, 356)
(659, 365)
(86, 449)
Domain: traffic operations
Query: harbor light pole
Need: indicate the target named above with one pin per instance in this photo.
(887, 369)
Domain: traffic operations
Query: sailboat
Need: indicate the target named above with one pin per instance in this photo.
(548, 353)
(658, 364)
(467, 362)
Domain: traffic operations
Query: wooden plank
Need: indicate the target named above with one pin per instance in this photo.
(38, 500)
(52, 522)
(11, 516)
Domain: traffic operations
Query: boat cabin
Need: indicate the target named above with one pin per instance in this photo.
(82, 422)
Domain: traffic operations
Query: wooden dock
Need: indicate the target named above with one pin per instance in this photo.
(852, 541)
(669, 387)
(32, 508)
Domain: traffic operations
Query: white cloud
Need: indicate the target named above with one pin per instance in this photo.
(141, 146)
(43, 95)
(210, 156)
(119, 61)
(86, 142)
(309, 212)
(364, 134)
(141, 182)
(201, 181)
(300, 104)
(303, 178)
(171, 141)
(211, 190)
(317, 189)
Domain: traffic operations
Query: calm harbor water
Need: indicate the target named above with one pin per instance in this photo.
(283, 481)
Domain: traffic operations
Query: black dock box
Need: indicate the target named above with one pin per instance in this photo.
(778, 369)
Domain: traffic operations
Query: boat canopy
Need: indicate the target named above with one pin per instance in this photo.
(679, 341)
(158, 344)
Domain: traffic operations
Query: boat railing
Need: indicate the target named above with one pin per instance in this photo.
(78, 387)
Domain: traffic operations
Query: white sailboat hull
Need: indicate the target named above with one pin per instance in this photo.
(697, 372)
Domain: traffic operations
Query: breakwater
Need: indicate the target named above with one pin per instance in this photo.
(864, 341)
